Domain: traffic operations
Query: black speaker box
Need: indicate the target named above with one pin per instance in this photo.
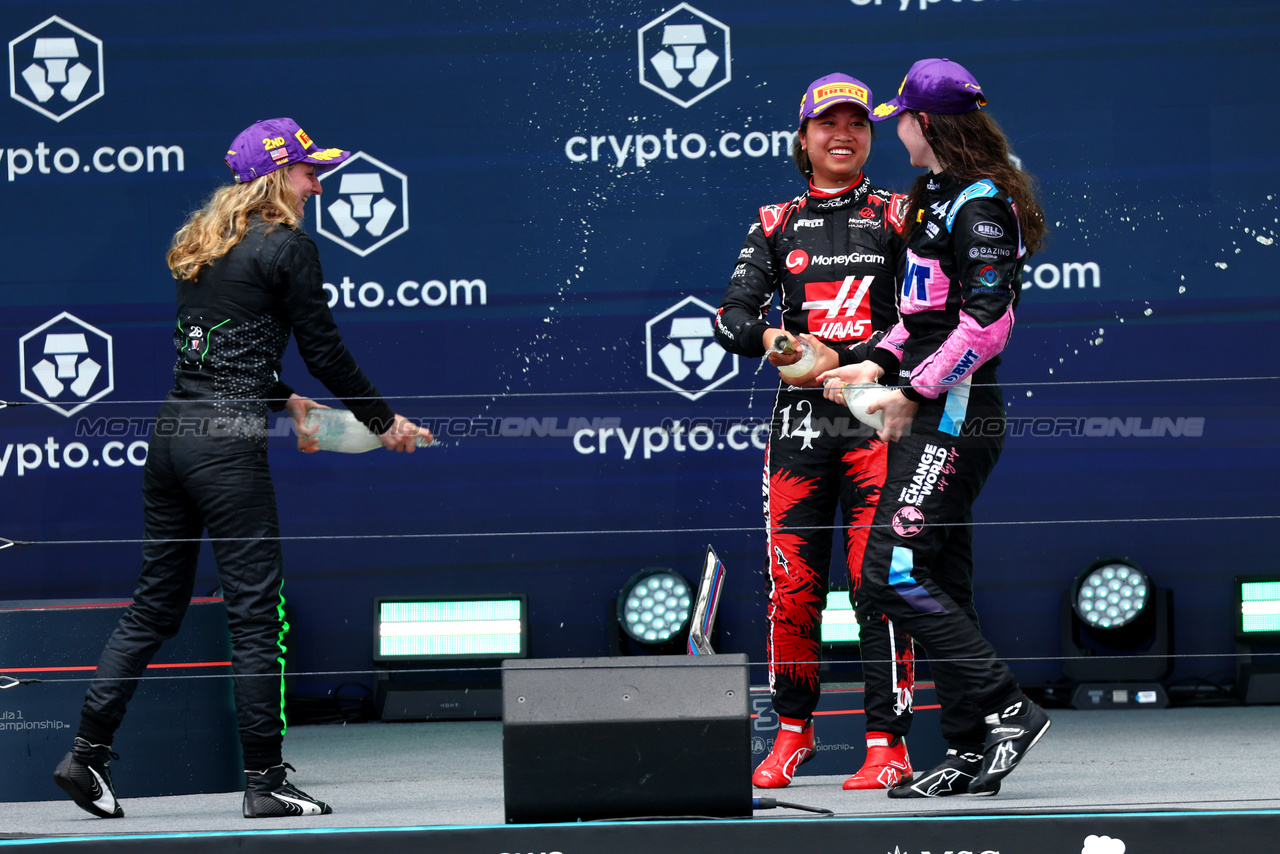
(593, 738)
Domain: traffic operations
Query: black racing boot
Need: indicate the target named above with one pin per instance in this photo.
(270, 795)
(83, 774)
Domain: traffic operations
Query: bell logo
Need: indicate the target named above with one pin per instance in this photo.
(684, 55)
(65, 362)
(365, 204)
(55, 68)
(681, 351)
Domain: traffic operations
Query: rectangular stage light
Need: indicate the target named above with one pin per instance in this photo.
(1258, 609)
(454, 628)
(839, 622)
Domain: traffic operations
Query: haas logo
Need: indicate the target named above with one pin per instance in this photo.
(797, 261)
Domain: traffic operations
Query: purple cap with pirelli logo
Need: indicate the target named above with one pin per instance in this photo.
(934, 86)
(831, 90)
(265, 146)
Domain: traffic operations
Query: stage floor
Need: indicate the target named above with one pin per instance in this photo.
(429, 777)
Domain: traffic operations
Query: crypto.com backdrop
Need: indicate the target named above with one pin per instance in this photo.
(546, 204)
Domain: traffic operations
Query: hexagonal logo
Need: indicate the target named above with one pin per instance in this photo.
(55, 68)
(681, 351)
(364, 205)
(66, 364)
(684, 55)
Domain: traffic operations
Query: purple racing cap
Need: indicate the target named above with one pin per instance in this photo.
(934, 86)
(834, 89)
(267, 145)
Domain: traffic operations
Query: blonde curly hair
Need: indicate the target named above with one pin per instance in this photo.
(210, 232)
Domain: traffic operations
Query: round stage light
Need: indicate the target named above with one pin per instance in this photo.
(1112, 594)
(655, 606)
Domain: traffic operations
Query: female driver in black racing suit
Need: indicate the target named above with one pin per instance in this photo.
(248, 276)
(833, 256)
(972, 220)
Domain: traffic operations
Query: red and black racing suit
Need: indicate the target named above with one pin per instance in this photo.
(834, 260)
(207, 469)
(957, 299)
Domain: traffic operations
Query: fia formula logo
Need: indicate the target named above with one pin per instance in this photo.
(55, 68)
(66, 364)
(365, 204)
(681, 351)
(684, 55)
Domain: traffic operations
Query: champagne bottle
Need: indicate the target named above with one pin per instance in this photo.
(861, 395)
(341, 431)
(808, 357)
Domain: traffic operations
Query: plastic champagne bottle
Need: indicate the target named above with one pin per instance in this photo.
(858, 396)
(341, 431)
(808, 356)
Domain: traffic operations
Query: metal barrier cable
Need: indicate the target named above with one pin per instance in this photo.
(654, 661)
(667, 393)
(621, 531)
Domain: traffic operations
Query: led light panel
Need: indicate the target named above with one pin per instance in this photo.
(1259, 607)
(839, 622)
(428, 628)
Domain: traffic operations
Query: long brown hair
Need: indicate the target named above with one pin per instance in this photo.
(210, 232)
(971, 146)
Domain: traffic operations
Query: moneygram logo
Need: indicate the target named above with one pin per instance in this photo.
(365, 204)
(684, 55)
(55, 68)
(681, 351)
(62, 363)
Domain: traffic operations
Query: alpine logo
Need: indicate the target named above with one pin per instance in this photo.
(839, 311)
(797, 261)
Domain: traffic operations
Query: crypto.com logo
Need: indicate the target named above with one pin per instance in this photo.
(684, 55)
(62, 364)
(51, 61)
(365, 204)
(688, 358)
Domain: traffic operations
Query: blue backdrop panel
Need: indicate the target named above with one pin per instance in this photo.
(546, 203)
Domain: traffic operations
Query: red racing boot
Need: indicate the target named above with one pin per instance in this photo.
(792, 748)
(887, 763)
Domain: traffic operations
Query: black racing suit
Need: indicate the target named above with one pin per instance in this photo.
(958, 295)
(834, 260)
(207, 469)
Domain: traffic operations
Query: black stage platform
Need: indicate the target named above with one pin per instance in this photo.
(1199, 780)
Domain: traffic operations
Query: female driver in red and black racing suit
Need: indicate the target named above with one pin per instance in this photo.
(833, 256)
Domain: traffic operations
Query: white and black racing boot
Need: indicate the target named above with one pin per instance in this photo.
(951, 776)
(1011, 732)
(83, 774)
(269, 794)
